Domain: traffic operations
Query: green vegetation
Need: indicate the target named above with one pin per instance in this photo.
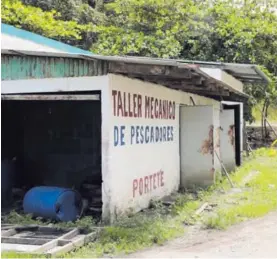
(258, 196)
(15, 218)
(35, 19)
(161, 223)
(189, 29)
(272, 113)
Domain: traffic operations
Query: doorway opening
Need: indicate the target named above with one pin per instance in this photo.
(51, 140)
(237, 118)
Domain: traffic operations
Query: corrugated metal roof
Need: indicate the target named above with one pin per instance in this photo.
(24, 42)
(17, 42)
(16, 39)
(243, 72)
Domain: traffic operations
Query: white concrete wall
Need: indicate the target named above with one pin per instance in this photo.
(126, 166)
(140, 171)
(216, 124)
(75, 84)
(54, 85)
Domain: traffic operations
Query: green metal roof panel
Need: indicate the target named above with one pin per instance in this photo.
(18, 39)
(32, 67)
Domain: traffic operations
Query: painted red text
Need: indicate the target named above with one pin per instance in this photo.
(131, 105)
(148, 183)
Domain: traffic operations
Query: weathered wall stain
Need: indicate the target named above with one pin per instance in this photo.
(217, 137)
(231, 134)
(212, 171)
(208, 144)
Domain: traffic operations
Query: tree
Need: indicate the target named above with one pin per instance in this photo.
(145, 28)
(36, 20)
(219, 30)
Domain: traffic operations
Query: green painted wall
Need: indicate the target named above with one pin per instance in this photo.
(15, 67)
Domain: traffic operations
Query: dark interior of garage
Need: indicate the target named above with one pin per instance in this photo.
(51, 143)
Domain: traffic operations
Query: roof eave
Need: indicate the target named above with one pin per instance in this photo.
(171, 69)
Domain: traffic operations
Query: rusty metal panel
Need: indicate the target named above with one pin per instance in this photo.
(16, 67)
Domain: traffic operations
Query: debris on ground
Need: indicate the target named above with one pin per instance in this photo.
(255, 140)
(202, 208)
(50, 241)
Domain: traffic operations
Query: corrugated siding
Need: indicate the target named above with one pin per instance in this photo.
(31, 67)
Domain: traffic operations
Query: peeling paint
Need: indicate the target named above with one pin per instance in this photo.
(231, 134)
(217, 137)
(208, 144)
(22, 67)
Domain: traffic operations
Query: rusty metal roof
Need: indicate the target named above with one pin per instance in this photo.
(243, 72)
(175, 74)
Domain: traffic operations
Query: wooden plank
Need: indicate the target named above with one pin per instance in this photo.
(74, 232)
(54, 243)
(8, 233)
(202, 208)
(201, 91)
(18, 248)
(149, 70)
(24, 240)
(207, 89)
(78, 242)
(64, 243)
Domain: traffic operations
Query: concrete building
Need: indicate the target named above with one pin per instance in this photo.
(138, 128)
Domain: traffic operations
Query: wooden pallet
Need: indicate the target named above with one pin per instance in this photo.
(43, 240)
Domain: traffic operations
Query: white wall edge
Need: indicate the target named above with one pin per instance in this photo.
(68, 84)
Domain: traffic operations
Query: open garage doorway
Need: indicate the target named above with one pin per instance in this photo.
(51, 140)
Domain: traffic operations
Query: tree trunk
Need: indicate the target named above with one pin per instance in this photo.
(262, 121)
(266, 114)
(264, 117)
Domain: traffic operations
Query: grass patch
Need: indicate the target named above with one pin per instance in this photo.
(159, 224)
(22, 219)
(131, 235)
(258, 199)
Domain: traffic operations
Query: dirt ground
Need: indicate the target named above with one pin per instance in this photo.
(253, 239)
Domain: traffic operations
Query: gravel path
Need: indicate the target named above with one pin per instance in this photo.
(253, 239)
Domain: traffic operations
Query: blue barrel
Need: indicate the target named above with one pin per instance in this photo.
(53, 203)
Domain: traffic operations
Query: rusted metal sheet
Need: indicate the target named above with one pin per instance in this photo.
(15, 67)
